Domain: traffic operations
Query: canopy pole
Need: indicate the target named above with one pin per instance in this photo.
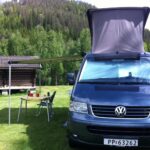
(40, 79)
(9, 101)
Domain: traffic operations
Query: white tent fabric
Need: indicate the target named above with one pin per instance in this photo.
(117, 30)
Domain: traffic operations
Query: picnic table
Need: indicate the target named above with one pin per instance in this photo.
(33, 99)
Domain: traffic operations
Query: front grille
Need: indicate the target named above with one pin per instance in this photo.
(119, 131)
(131, 112)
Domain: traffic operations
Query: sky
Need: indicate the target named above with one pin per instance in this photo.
(115, 3)
(2, 1)
(121, 3)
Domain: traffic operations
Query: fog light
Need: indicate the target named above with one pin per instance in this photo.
(75, 135)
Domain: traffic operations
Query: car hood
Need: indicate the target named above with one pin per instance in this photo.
(117, 30)
(112, 95)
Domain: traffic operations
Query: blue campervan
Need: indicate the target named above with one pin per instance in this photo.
(110, 100)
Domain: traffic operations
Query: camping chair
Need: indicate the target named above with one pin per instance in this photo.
(47, 102)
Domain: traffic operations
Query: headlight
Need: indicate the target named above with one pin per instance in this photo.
(78, 107)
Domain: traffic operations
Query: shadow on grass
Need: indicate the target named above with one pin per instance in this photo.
(41, 134)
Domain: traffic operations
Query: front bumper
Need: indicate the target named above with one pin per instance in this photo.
(78, 130)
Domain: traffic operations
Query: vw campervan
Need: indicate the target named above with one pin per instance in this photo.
(110, 101)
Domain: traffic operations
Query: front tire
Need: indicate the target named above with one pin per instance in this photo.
(72, 143)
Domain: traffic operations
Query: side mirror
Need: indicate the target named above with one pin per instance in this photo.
(71, 78)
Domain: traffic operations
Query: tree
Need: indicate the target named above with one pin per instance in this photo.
(17, 44)
(56, 49)
(85, 40)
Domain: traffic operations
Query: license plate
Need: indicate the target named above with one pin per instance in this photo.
(121, 142)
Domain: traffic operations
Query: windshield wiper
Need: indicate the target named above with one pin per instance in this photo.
(100, 81)
(134, 80)
(121, 80)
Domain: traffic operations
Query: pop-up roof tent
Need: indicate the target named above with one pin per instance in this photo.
(117, 30)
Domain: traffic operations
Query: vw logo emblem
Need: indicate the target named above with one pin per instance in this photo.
(120, 111)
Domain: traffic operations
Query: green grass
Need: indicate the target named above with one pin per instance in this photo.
(35, 133)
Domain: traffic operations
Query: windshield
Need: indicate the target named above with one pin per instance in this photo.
(122, 71)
